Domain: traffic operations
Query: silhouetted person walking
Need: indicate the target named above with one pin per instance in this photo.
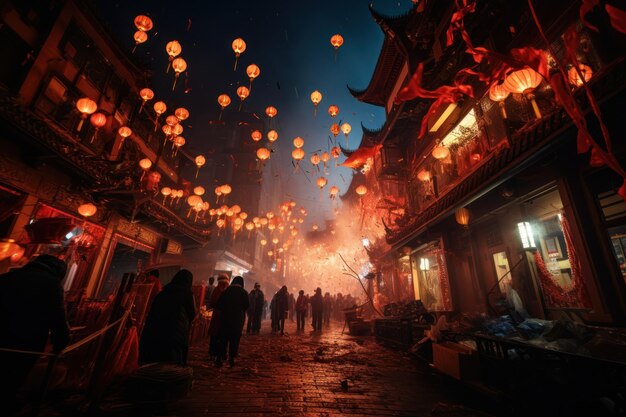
(232, 306)
(317, 309)
(255, 310)
(165, 337)
(301, 307)
(328, 308)
(214, 325)
(31, 306)
(281, 308)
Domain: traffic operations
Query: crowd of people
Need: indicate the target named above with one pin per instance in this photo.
(32, 307)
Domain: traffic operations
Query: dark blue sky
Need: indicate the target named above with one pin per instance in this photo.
(289, 41)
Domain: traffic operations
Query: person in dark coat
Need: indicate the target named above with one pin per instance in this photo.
(165, 337)
(255, 310)
(281, 308)
(232, 306)
(328, 308)
(209, 291)
(214, 325)
(292, 307)
(31, 306)
(317, 309)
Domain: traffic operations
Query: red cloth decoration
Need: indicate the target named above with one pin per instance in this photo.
(585, 7)
(456, 22)
(444, 94)
(618, 18)
(359, 157)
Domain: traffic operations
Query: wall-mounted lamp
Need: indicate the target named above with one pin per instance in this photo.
(526, 235)
(424, 264)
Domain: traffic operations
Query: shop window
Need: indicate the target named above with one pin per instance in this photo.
(556, 258)
(501, 264)
(431, 283)
(614, 212)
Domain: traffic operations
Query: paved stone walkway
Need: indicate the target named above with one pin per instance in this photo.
(317, 375)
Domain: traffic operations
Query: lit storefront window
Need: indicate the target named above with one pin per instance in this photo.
(430, 277)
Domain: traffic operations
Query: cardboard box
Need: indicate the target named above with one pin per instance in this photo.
(456, 360)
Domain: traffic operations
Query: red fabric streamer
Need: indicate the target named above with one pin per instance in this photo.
(444, 281)
(456, 22)
(586, 7)
(361, 155)
(445, 94)
(618, 18)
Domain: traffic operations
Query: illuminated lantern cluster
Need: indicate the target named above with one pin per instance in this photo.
(440, 152)
(10, 249)
(298, 155)
(346, 129)
(159, 108)
(263, 154)
(143, 25)
(97, 120)
(173, 49)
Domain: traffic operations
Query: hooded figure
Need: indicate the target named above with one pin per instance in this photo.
(317, 308)
(214, 324)
(232, 306)
(165, 337)
(31, 306)
(255, 309)
(281, 308)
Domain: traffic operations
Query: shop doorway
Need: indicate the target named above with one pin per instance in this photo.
(127, 257)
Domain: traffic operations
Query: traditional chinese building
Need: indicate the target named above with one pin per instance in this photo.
(495, 189)
(71, 181)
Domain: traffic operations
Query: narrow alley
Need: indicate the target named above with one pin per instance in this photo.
(316, 375)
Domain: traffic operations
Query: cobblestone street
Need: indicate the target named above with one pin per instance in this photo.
(319, 375)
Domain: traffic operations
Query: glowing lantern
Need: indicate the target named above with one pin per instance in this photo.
(361, 190)
(524, 81)
(226, 189)
(218, 193)
(440, 152)
(263, 154)
(243, 93)
(177, 129)
(236, 209)
(573, 75)
(270, 215)
(239, 46)
(193, 200)
(316, 98)
(223, 100)
(200, 161)
(146, 95)
(171, 120)
(263, 242)
(275, 241)
(97, 121)
(145, 164)
(249, 226)
(270, 253)
(159, 108)
(173, 49)
(181, 113)
(8, 248)
(271, 111)
(124, 132)
(334, 190)
(87, 210)
(298, 142)
(297, 154)
(272, 136)
(271, 226)
(462, 216)
(498, 93)
(199, 190)
(335, 152)
(179, 65)
(315, 227)
(256, 135)
(143, 23)
(220, 223)
(423, 175)
(346, 129)
(325, 159)
(253, 71)
(85, 106)
(166, 192)
(243, 215)
(315, 159)
(336, 41)
(333, 110)
(140, 37)
(321, 182)
(17, 254)
(178, 143)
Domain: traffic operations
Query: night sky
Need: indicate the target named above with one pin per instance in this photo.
(289, 41)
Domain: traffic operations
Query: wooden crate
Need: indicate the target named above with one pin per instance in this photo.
(456, 360)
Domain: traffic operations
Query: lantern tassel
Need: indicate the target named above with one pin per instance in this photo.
(156, 123)
(80, 124)
(197, 171)
(175, 79)
(315, 110)
(169, 65)
(221, 111)
(136, 44)
(236, 59)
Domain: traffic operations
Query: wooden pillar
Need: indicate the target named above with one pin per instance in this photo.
(24, 216)
(100, 262)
